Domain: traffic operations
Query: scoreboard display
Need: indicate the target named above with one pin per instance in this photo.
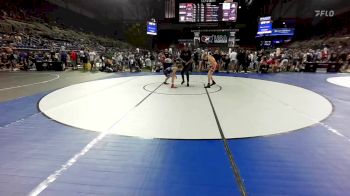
(265, 25)
(151, 28)
(207, 11)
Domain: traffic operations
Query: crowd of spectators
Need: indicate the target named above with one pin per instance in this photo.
(263, 61)
(285, 59)
(19, 51)
(108, 60)
(27, 39)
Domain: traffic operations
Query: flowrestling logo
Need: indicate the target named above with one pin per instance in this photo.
(324, 13)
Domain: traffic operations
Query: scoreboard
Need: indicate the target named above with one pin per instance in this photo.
(151, 28)
(207, 11)
(265, 25)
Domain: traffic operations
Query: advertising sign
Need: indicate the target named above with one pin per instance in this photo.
(279, 32)
(214, 39)
(282, 31)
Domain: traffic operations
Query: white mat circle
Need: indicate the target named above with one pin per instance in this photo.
(245, 108)
(340, 81)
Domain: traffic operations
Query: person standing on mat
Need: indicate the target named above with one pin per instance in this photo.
(186, 58)
(169, 71)
(213, 67)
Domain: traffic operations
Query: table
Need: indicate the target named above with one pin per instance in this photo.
(51, 65)
(331, 67)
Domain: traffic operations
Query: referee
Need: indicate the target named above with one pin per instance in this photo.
(186, 58)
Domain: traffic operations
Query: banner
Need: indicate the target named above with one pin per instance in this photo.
(282, 31)
(279, 32)
(214, 39)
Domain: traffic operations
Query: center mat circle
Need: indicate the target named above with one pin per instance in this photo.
(244, 107)
(195, 88)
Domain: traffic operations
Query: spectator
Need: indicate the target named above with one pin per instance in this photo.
(241, 60)
(92, 56)
(264, 65)
(74, 59)
(233, 59)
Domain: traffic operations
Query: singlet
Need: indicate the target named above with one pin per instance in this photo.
(212, 61)
(167, 63)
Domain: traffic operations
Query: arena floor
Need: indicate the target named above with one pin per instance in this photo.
(73, 133)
